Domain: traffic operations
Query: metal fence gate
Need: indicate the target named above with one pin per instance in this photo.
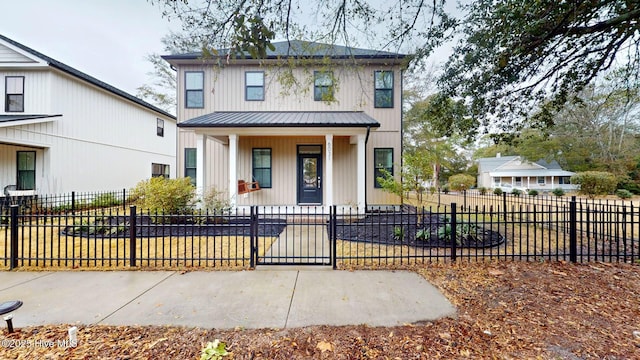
(292, 237)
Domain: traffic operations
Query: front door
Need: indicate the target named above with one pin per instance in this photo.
(309, 174)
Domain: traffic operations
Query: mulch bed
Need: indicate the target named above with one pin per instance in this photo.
(508, 310)
(384, 228)
(118, 227)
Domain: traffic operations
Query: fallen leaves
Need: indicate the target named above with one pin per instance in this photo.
(506, 310)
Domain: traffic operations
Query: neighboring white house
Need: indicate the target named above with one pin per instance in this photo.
(312, 124)
(516, 172)
(62, 130)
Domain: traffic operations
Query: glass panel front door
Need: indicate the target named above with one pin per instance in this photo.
(309, 177)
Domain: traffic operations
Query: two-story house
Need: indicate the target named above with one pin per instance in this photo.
(310, 123)
(62, 130)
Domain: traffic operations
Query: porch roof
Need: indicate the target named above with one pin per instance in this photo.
(225, 119)
(7, 118)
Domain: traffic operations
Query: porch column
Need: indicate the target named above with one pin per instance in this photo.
(328, 177)
(201, 147)
(362, 176)
(553, 183)
(233, 169)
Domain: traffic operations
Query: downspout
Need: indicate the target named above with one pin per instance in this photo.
(366, 140)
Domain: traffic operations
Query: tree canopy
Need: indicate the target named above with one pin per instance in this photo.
(514, 59)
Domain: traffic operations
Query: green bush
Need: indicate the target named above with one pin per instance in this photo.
(497, 191)
(594, 183)
(461, 182)
(445, 188)
(624, 194)
(483, 190)
(168, 196)
(558, 192)
(105, 200)
(533, 192)
(215, 201)
(516, 192)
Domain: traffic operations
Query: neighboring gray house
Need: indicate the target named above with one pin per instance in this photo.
(516, 172)
(62, 130)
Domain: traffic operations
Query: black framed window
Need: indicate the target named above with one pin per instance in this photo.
(194, 89)
(160, 127)
(383, 89)
(190, 169)
(261, 166)
(14, 90)
(160, 170)
(542, 180)
(254, 85)
(26, 179)
(383, 160)
(322, 85)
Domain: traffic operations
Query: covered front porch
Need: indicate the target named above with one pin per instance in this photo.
(299, 164)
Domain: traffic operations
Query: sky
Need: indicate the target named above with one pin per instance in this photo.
(107, 39)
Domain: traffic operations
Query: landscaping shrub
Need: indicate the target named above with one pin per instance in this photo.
(461, 182)
(558, 192)
(533, 192)
(105, 200)
(215, 201)
(516, 192)
(624, 194)
(483, 190)
(497, 191)
(168, 196)
(594, 183)
(445, 188)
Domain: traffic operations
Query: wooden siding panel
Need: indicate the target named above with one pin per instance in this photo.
(9, 56)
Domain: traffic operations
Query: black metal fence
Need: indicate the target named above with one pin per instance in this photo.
(343, 237)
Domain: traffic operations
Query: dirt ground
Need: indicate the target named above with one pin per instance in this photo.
(508, 310)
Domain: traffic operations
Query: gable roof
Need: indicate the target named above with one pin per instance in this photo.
(498, 167)
(282, 119)
(82, 76)
(302, 49)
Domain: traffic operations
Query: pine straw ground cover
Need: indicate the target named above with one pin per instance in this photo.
(507, 310)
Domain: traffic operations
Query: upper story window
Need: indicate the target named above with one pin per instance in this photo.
(14, 90)
(194, 89)
(254, 85)
(322, 85)
(383, 89)
(160, 127)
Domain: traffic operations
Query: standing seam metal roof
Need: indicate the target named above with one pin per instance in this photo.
(283, 119)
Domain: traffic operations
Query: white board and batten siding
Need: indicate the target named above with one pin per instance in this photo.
(100, 141)
(224, 91)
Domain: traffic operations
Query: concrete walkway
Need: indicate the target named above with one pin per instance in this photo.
(278, 298)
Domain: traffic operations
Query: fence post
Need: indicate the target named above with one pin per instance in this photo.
(73, 202)
(333, 238)
(132, 235)
(253, 236)
(452, 235)
(504, 205)
(573, 230)
(13, 261)
(124, 199)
